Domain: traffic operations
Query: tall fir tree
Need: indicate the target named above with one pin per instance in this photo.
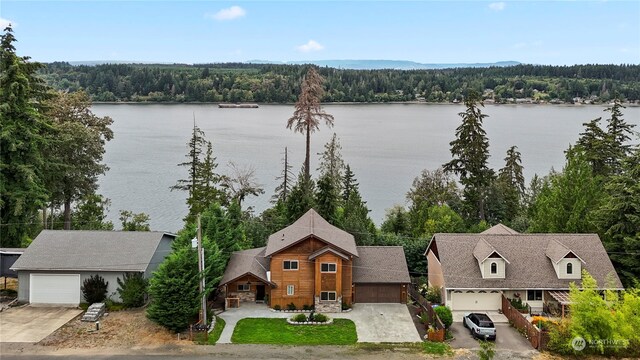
(470, 152)
(22, 141)
(285, 179)
(331, 163)
(619, 133)
(327, 199)
(353, 216)
(308, 113)
(597, 147)
(301, 198)
(510, 183)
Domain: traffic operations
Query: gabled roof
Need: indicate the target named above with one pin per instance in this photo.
(246, 262)
(325, 250)
(557, 251)
(380, 264)
(529, 266)
(311, 224)
(500, 229)
(483, 250)
(83, 250)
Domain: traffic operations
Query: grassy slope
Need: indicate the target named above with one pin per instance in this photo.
(277, 331)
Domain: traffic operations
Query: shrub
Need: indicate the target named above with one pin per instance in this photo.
(94, 289)
(319, 318)
(424, 318)
(307, 307)
(444, 313)
(299, 318)
(291, 306)
(560, 338)
(345, 306)
(277, 308)
(434, 295)
(518, 304)
(132, 289)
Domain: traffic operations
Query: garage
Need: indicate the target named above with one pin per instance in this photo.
(63, 289)
(475, 301)
(378, 293)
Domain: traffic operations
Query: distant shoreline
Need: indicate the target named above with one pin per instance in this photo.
(345, 103)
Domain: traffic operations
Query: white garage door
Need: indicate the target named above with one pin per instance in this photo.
(476, 301)
(62, 289)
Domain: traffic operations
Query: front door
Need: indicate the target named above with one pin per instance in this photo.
(259, 292)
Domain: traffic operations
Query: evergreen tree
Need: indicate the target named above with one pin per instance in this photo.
(207, 188)
(470, 152)
(22, 140)
(353, 217)
(327, 199)
(619, 132)
(429, 189)
(348, 183)
(223, 229)
(331, 163)
(301, 198)
(286, 181)
(134, 222)
(511, 184)
(619, 219)
(396, 221)
(91, 214)
(74, 158)
(308, 113)
(597, 147)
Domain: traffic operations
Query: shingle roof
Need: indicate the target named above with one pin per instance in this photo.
(529, 266)
(483, 250)
(326, 249)
(380, 264)
(90, 250)
(557, 251)
(500, 229)
(244, 262)
(311, 224)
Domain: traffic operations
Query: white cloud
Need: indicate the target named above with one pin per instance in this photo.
(310, 46)
(497, 6)
(231, 13)
(5, 22)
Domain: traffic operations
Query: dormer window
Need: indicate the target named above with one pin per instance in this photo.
(569, 268)
(494, 268)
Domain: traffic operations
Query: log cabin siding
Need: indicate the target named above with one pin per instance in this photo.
(232, 287)
(347, 284)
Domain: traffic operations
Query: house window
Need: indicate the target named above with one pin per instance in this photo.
(534, 295)
(290, 264)
(328, 267)
(328, 295)
(290, 290)
(244, 287)
(494, 268)
(569, 268)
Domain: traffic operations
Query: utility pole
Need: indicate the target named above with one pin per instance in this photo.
(203, 310)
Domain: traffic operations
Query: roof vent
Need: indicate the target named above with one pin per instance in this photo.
(282, 237)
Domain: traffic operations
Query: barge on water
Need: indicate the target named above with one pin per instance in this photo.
(238, 106)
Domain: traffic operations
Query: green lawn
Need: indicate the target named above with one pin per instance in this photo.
(217, 330)
(278, 331)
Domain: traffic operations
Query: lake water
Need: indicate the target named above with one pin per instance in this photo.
(387, 145)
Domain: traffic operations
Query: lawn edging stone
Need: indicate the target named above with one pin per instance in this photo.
(328, 322)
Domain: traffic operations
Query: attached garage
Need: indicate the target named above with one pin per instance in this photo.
(475, 301)
(378, 293)
(59, 289)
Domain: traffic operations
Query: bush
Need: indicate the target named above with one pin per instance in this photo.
(434, 295)
(133, 289)
(444, 313)
(299, 318)
(319, 318)
(94, 289)
(307, 307)
(277, 308)
(291, 306)
(345, 306)
(518, 304)
(560, 338)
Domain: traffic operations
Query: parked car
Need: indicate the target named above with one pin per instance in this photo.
(480, 326)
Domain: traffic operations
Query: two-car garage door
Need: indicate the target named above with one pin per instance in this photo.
(476, 301)
(63, 289)
(378, 293)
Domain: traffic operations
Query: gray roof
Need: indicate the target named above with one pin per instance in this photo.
(79, 250)
(557, 251)
(483, 250)
(245, 262)
(327, 249)
(311, 224)
(500, 229)
(529, 266)
(380, 264)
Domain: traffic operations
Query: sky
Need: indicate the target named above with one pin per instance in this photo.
(540, 32)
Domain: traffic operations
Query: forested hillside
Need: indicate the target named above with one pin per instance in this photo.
(269, 83)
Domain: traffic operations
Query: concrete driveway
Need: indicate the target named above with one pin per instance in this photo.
(382, 323)
(32, 324)
(507, 338)
(374, 322)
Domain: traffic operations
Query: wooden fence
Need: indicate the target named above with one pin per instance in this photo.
(537, 338)
(432, 317)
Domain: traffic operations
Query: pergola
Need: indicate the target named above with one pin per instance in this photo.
(562, 297)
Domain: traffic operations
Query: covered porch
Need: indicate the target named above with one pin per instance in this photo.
(246, 289)
(556, 303)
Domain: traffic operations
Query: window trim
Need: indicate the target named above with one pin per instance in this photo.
(293, 290)
(491, 268)
(248, 287)
(569, 268)
(335, 265)
(335, 295)
(534, 297)
(284, 266)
